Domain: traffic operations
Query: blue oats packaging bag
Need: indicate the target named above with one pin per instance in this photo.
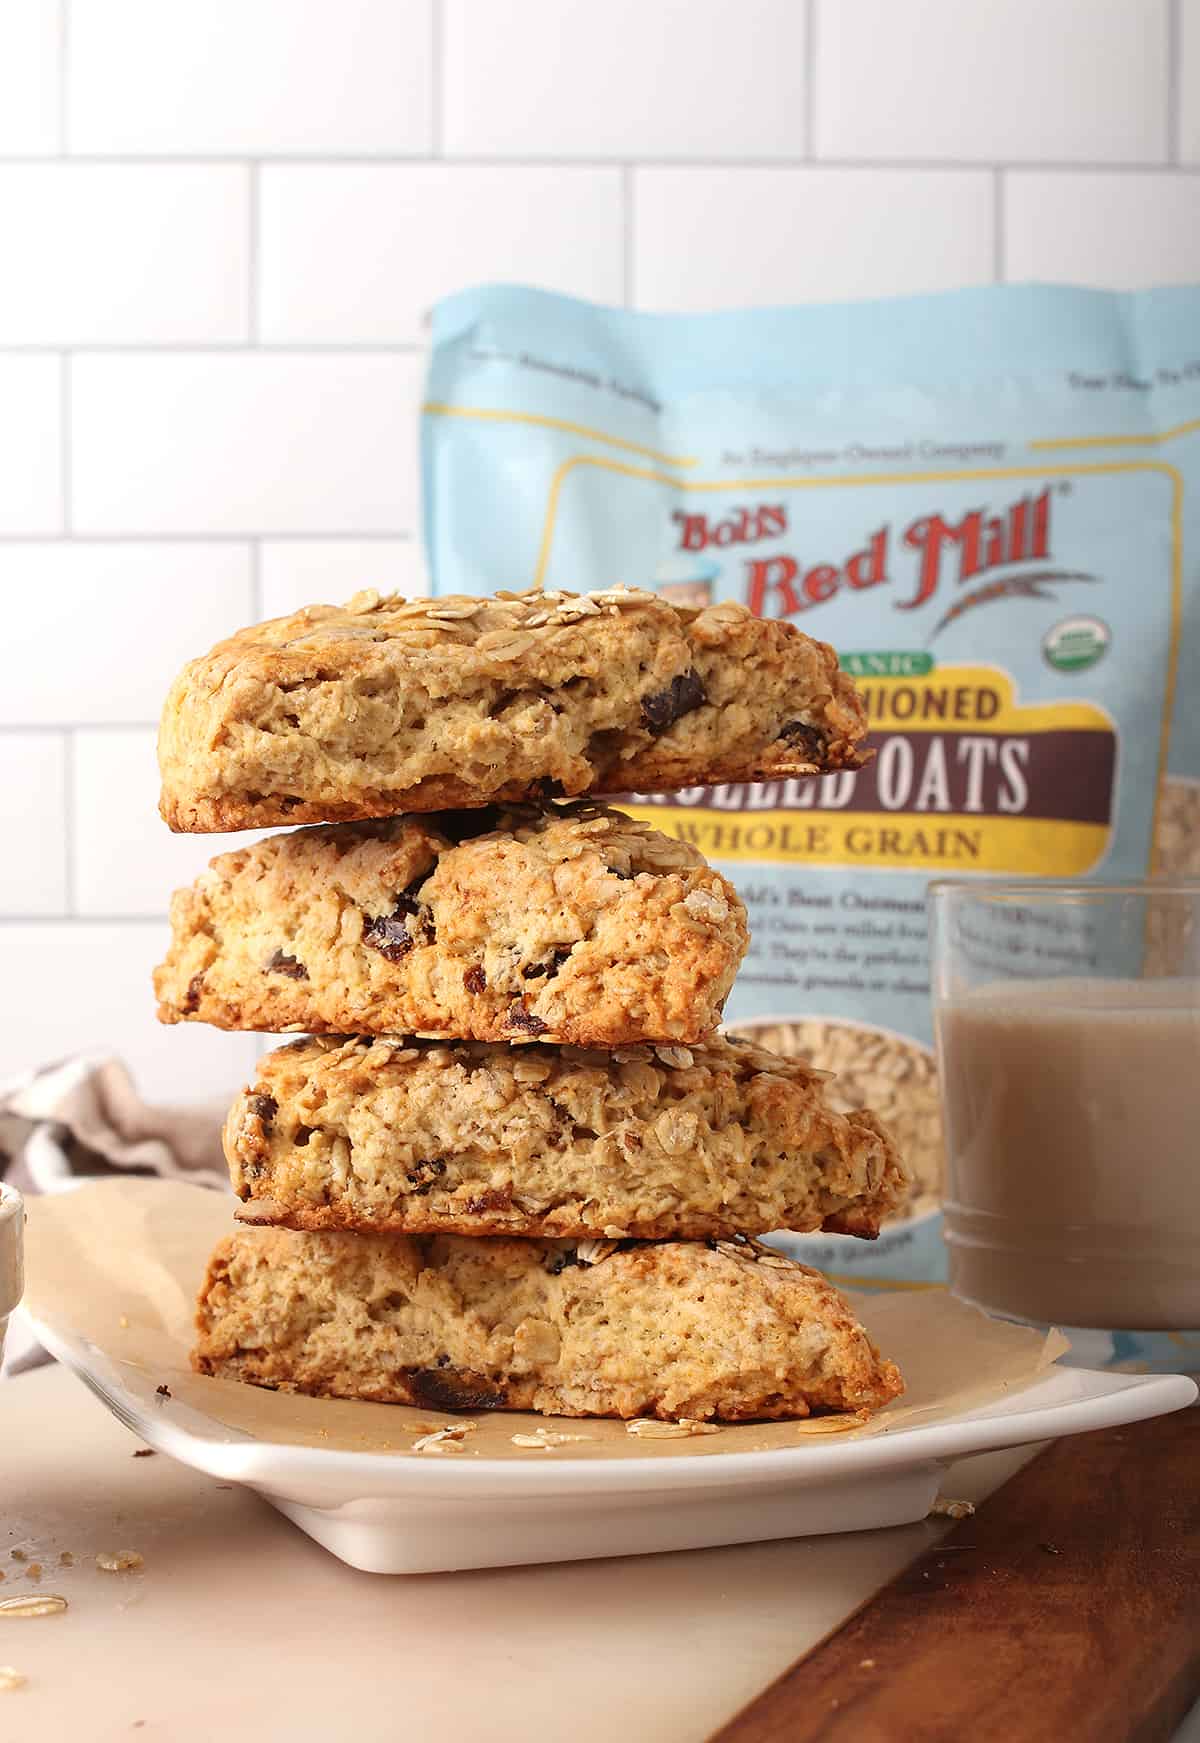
(987, 501)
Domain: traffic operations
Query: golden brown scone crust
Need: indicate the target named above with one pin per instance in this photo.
(477, 1139)
(674, 1329)
(384, 706)
(573, 924)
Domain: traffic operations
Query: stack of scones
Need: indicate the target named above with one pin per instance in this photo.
(510, 1163)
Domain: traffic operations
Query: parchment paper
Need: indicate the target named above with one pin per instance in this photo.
(119, 1263)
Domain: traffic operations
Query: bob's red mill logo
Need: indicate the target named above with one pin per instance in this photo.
(930, 555)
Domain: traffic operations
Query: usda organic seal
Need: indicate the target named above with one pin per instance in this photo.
(1076, 643)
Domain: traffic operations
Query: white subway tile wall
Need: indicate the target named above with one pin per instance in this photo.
(800, 235)
(33, 443)
(30, 63)
(620, 78)
(224, 223)
(95, 630)
(359, 253)
(124, 860)
(296, 572)
(1076, 81)
(1115, 227)
(248, 442)
(124, 254)
(268, 78)
(33, 825)
(84, 986)
(1188, 81)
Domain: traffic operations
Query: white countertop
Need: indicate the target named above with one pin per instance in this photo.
(240, 1627)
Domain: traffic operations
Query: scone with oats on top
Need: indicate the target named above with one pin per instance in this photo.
(386, 705)
(568, 923)
(408, 1137)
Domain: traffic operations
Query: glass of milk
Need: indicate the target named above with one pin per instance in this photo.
(1068, 1032)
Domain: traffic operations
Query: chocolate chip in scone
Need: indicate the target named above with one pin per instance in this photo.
(453, 1389)
(389, 934)
(422, 1175)
(263, 1107)
(524, 1021)
(555, 1263)
(409, 923)
(279, 962)
(684, 693)
(548, 965)
(806, 738)
(301, 1135)
(475, 980)
(191, 1000)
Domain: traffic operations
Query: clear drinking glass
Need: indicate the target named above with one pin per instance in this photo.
(1068, 1032)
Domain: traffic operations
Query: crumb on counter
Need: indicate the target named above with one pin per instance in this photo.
(944, 1508)
(119, 1561)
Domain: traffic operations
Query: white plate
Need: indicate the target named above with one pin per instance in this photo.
(386, 1514)
(112, 1276)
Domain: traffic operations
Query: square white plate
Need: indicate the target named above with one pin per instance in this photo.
(389, 1514)
(113, 1270)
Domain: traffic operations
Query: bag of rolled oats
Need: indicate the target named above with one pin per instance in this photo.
(988, 501)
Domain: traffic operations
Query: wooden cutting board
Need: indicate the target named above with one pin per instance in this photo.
(1066, 1611)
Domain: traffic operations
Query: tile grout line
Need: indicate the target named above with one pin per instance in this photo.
(253, 193)
(49, 728)
(999, 213)
(231, 348)
(1174, 104)
(256, 586)
(64, 441)
(64, 81)
(598, 160)
(69, 858)
(810, 81)
(75, 919)
(627, 273)
(83, 537)
(436, 67)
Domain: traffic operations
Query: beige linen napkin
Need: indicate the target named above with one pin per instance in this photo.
(82, 1119)
(93, 1122)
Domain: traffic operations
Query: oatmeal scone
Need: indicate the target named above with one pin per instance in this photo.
(571, 923)
(472, 1138)
(668, 1329)
(382, 705)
